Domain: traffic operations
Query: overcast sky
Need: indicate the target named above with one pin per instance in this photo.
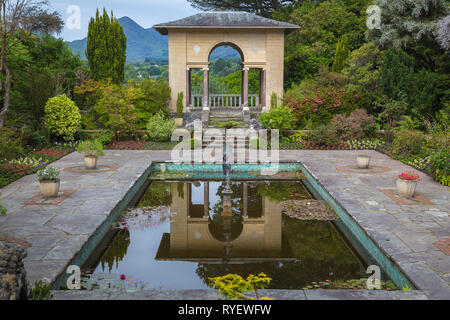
(144, 12)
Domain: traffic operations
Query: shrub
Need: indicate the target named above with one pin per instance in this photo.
(273, 101)
(91, 148)
(41, 291)
(320, 108)
(154, 98)
(48, 173)
(62, 117)
(321, 136)
(441, 165)
(408, 141)
(116, 108)
(357, 125)
(280, 118)
(2, 208)
(105, 137)
(159, 128)
(180, 104)
(10, 145)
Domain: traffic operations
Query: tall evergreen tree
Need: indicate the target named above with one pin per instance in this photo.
(106, 48)
(341, 55)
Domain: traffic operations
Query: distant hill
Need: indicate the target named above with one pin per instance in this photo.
(145, 43)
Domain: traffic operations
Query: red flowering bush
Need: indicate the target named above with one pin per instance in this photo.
(409, 175)
(320, 108)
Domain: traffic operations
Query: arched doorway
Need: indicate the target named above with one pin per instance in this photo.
(227, 82)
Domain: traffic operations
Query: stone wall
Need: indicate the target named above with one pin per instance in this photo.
(13, 285)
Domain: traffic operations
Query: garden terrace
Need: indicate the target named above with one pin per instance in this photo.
(412, 234)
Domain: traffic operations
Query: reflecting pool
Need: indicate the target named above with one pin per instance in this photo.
(183, 232)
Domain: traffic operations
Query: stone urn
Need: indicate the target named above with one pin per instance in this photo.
(178, 122)
(406, 188)
(50, 188)
(363, 161)
(90, 162)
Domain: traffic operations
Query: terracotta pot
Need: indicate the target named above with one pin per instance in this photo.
(90, 162)
(363, 161)
(179, 122)
(49, 188)
(406, 188)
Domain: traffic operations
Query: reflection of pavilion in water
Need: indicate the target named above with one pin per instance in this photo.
(207, 225)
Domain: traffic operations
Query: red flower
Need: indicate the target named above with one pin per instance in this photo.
(122, 277)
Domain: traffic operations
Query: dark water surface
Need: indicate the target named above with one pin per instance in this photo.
(182, 233)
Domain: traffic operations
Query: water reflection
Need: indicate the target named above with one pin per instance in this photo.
(197, 231)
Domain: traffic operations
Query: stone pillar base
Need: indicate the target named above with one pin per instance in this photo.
(205, 115)
(246, 114)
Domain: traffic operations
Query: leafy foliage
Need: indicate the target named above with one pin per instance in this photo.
(410, 141)
(233, 286)
(41, 291)
(159, 128)
(116, 109)
(357, 125)
(180, 104)
(2, 208)
(91, 147)
(403, 22)
(47, 173)
(280, 118)
(106, 48)
(341, 54)
(62, 117)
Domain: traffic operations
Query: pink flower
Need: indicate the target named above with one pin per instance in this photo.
(126, 228)
(122, 277)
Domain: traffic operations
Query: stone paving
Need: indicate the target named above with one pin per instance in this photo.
(413, 235)
(317, 294)
(406, 233)
(57, 230)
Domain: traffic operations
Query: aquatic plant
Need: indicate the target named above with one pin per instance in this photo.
(233, 286)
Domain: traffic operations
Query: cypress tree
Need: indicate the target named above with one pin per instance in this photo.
(106, 48)
(341, 55)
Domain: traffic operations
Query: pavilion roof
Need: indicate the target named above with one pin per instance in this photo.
(225, 19)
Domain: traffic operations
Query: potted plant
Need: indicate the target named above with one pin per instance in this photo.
(179, 117)
(49, 181)
(92, 149)
(363, 161)
(407, 183)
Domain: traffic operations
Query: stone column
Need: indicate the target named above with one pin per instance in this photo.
(244, 199)
(205, 199)
(262, 80)
(205, 89)
(245, 108)
(188, 89)
(245, 87)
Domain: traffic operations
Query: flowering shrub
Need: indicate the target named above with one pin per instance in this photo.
(320, 108)
(365, 144)
(409, 175)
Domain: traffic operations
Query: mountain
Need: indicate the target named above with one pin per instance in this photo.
(146, 43)
(141, 43)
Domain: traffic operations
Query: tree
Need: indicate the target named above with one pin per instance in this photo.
(397, 73)
(321, 26)
(341, 55)
(106, 48)
(18, 20)
(408, 21)
(260, 7)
